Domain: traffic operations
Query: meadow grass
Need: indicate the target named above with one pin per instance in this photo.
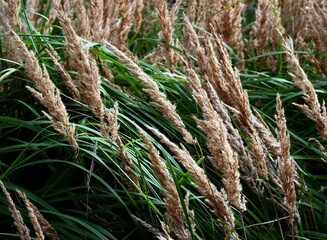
(152, 119)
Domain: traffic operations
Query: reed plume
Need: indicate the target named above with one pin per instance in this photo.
(36, 225)
(286, 167)
(22, 229)
(41, 226)
(226, 82)
(159, 100)
(216, 199)
(264, 37)
(316, 15)
(226, 21)
(89, 76)
(166, 21)
(223, 158)
(175, 217)
(312, 109)
(46, 92)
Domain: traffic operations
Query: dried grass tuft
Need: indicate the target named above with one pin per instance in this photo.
(264, 37)
(156, 232)
(46, 92)
(128, 165)
(31, 214)
(175, 217)
(215, 198)
(225, 80)
(312, 109)
(224, 159)
(22, 229)
(41, 225)
(286, 167)
(166, 21)
(88, 83)
(159, 100)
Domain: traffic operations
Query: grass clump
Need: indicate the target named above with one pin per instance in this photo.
(174, 120)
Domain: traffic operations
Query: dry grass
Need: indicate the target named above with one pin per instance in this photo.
(41, 226)
(241, 144)
(312, 109)
(158, 98)
(264, 35)
(89, 76)
(286, 166)
(46, 92)
(22, 230)
(223, 158)
(216, 199)
(175, 219)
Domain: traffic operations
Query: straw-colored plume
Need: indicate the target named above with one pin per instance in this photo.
(88, 83)
(11, 8)
(264, 37)
(23, 231)
(46, 92)
(159, 100)
(166, 21)
(156, 232)
(312, 109)
(227, 84)
(223, 158)
(66, 78)
(286, 167)
(216, 199)
(82, 21)
(36, 225)
(250, 174)
(226, 20)
(139, 5)
(128, 165)
(316, 15)
(41, 226)
(175, 217)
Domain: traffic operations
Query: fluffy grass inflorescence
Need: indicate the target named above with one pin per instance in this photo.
(170, 112)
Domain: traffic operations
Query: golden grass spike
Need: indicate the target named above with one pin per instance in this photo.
(264, 38)
(46, 229)
(166, 35)
(316, 15)
(67, 79)
(250, 174)
(223, 158)
(128, 165)
(159, 100)
(156, 232)
(286, 167)
(127, 16)
(175, 217)
(312, 109)
(22, 229)
(226, 82)
(36, 225)
(47, 93)
(13, 9)
(139, 5)
(82, 21)
(96, 19)
(216, 199)
(89, 76)
(227, 22)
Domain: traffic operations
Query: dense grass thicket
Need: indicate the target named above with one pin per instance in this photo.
(187, 119)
